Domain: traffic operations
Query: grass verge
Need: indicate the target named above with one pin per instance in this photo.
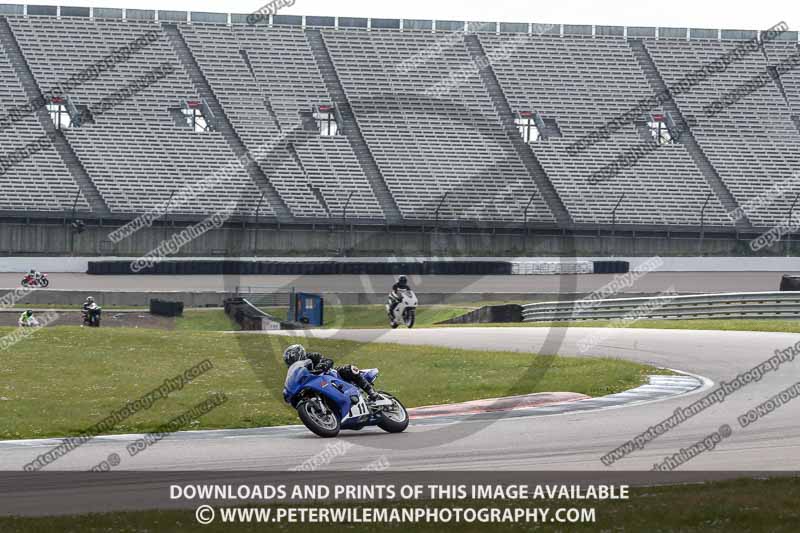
(374, 316)
(205, 320)
(64, 379)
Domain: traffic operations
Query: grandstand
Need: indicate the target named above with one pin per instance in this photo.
(389, 122)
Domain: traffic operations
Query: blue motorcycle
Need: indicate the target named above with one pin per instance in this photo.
(327, 404)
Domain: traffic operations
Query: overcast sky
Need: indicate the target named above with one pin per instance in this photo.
(732, 14)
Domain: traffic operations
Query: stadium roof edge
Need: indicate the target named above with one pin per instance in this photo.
(390, 24)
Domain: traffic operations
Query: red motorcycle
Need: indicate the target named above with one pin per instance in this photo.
(32, 281)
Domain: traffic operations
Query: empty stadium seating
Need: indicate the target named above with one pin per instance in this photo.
(781, 51)
(284, 80)
(428, 144)
(134, 152)
(583, 83)
(429, 121)
(752, 143)
(42, 182)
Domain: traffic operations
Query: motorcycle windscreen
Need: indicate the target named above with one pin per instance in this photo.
(295, 373)
(410, 297)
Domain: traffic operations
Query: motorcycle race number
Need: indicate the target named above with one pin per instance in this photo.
(359, 409)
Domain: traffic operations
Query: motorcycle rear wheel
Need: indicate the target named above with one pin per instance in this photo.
(325, 425)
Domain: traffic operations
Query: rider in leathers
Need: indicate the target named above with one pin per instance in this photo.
(394, 296)
(320, 363)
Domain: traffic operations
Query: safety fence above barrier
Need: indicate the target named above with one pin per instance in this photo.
(724, 305)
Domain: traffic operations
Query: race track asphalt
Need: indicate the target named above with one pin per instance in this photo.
(571, 441)
(683, 282)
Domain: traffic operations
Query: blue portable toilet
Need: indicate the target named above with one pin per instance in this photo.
(307, 309)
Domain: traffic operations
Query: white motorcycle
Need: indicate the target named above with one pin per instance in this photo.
(406, 310)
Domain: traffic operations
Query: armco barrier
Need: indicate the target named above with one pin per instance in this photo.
(790, 283)
(727, 305)
(611, 267)
(248, 316)
(312, 268)
(165, 308)
(489, 314)
(304, 268)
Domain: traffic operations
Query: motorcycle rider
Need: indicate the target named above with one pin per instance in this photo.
(319, 363)
(35, 275)
(394, 296)
(26, 319)
(87, 304)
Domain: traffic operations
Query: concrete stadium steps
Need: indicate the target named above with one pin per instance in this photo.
(136, 153)
(446, 156)
(471, 172)
(264, 78)
(223, 123)
(44, 170)
(526, 155)
(537, 74)
(687, 139)
(351, 129)
(750, 140)
(796, 122)
(60, 143)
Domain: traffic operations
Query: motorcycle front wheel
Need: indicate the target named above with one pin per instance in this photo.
(395, 419)
(318, 418)
(409, 316)
(44, 282)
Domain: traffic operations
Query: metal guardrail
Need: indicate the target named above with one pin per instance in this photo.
(248, 316)
(266, 296)
(724, 305)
